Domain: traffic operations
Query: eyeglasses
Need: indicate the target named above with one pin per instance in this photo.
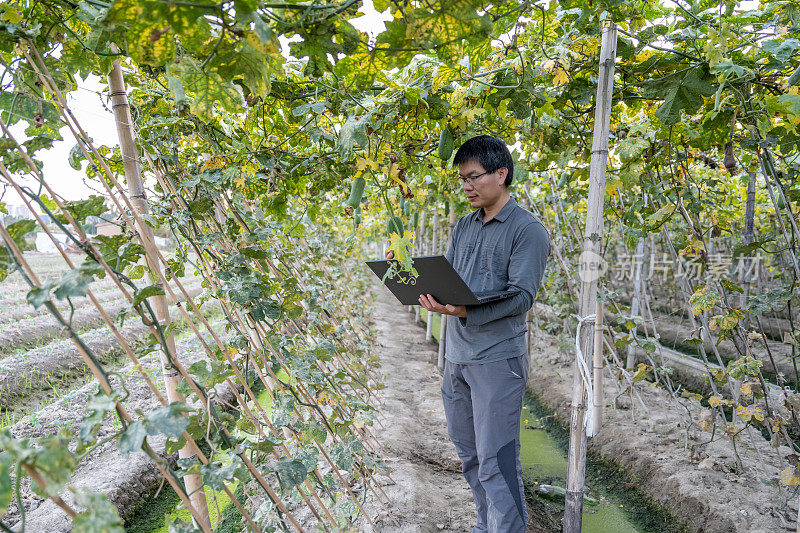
(471, 179)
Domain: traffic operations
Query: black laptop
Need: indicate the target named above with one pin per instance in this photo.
(437, 277)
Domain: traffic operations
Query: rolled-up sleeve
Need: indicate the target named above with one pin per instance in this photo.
(529, 252)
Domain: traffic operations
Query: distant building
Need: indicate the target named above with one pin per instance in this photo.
(19, 211)
(45, 244)
(108, 229)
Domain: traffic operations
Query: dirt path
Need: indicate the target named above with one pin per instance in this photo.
(429, 493)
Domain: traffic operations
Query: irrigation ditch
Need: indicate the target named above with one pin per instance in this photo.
(661, 473)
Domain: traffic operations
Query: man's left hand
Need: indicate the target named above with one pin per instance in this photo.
(428, 302)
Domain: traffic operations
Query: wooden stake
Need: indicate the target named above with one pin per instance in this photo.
(133, 176)
(597, 369)
(451, 223)
(590, 272)
(638, 283)
(435, 238)
(442, 342)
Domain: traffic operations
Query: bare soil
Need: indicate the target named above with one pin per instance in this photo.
(125, 479)
(675, 463)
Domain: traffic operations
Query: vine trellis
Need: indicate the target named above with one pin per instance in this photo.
(251, 152)
(319, 410)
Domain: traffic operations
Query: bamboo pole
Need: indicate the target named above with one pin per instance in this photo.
(133, 176)
(421, 248)
(431, 251)
(589, 271)
(451, 223)
(597, 368)
(435, 237)
(638, 282)
(442, 342)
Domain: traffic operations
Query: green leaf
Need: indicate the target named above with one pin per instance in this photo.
(55, 462)
(681, 92)
(748, 248)
(75, 283)
(282, 410)
(6, 489)
(19, 229)
(781, 49)
(93, 206)
(773, 300)
(147, 292)
(132, 439)
(75, 157)
(176, 87)
(97, 405)
(208, 89)
(169, 420)
(290, 472)
(313, 432)
(208, 377)
(215, 475)
(119, 251)
(253, 253)
(179, 526)
(201, 206)
(251, 66)
(38, 296)
(346, 452)
(353, 133)
(728, 68)
(733, 287)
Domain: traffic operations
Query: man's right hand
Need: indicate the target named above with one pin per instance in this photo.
(389, 254)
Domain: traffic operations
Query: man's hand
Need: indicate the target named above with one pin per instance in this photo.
(389, 254)
(428, 302)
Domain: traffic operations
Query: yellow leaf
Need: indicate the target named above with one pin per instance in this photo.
(789, 477)
(363, 164)
(459, 122)
(249, 169)
(746, 390)
(561, 77)
(214, 163)
(472, 112)
(401, 246)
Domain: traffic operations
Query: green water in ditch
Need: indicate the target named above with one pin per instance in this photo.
(544, 462)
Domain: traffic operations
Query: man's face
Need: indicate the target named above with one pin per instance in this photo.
(486, 188)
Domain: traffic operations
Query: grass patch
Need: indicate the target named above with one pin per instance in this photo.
(437, 320)
(153, 515)
(605, 474)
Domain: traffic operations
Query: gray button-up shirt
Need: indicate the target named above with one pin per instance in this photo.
(508, 251)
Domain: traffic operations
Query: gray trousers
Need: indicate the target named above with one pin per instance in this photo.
(483, 406)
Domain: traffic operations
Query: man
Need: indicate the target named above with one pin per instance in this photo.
(499, 245)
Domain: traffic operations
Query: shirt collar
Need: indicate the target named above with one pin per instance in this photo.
(501, 216)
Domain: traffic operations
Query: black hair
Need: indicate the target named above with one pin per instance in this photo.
(490, 152)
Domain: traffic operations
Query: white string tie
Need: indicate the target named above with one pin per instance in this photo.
(586, 375)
